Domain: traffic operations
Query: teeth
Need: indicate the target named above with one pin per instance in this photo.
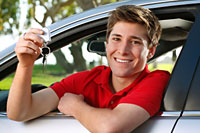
(122, 61)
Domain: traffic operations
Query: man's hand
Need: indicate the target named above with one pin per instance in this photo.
(70, 103)
(27, 47)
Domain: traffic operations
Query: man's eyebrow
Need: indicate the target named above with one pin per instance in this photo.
(133, 36)
(140, 38)
(116, 35)
(137, 37)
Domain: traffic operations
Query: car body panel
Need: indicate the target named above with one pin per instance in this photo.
(189, 122)
(161, 123)
(57, 122)
(51, 124)
(194, 94)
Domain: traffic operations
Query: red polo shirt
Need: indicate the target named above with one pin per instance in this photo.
(146, 91)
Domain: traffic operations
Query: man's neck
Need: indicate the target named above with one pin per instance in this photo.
(119, 83)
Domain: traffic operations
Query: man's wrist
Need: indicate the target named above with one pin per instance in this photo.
(21, 65)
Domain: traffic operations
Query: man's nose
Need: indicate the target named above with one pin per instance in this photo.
(124, 47)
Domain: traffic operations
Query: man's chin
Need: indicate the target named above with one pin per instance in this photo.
(127, 74)
(122, 75)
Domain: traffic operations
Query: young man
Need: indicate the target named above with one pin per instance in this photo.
(117, 98)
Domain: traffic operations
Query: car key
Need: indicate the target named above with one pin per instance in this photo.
(45, 50)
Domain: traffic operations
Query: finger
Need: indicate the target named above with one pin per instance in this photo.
(28, 43)
(38, 51)
(34, 38)
(36, 31)
(25, 50)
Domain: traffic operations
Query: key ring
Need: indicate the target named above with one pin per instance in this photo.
(45, 51)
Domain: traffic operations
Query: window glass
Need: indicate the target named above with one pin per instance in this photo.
(166, 61)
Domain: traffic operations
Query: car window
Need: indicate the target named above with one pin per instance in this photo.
(166, 61)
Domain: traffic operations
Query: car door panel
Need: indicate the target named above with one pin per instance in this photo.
(190, 118)
(159, 124)
(188, 123)
(51, 123)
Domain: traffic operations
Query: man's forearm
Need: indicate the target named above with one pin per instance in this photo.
(98, 119)
(94, 119)
(20, 93)
(123, 118)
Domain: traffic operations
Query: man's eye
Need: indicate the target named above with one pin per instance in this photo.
(136, 42)
(115, 39)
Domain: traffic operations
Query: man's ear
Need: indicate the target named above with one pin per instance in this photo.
(106, 45)
(152, 51)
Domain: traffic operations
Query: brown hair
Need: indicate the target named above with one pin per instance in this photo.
(136, 14)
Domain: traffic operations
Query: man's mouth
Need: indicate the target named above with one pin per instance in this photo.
(123, 60)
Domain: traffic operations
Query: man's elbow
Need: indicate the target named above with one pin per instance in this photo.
(110, 127)
(16, 117)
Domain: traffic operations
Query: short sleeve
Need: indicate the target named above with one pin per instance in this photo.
(76, 83)
(70, 84)
(64, 86)
(148, 92)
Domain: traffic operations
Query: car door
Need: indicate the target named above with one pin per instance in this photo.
(189, 119)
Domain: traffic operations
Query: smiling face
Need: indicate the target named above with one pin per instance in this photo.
(127, 49)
